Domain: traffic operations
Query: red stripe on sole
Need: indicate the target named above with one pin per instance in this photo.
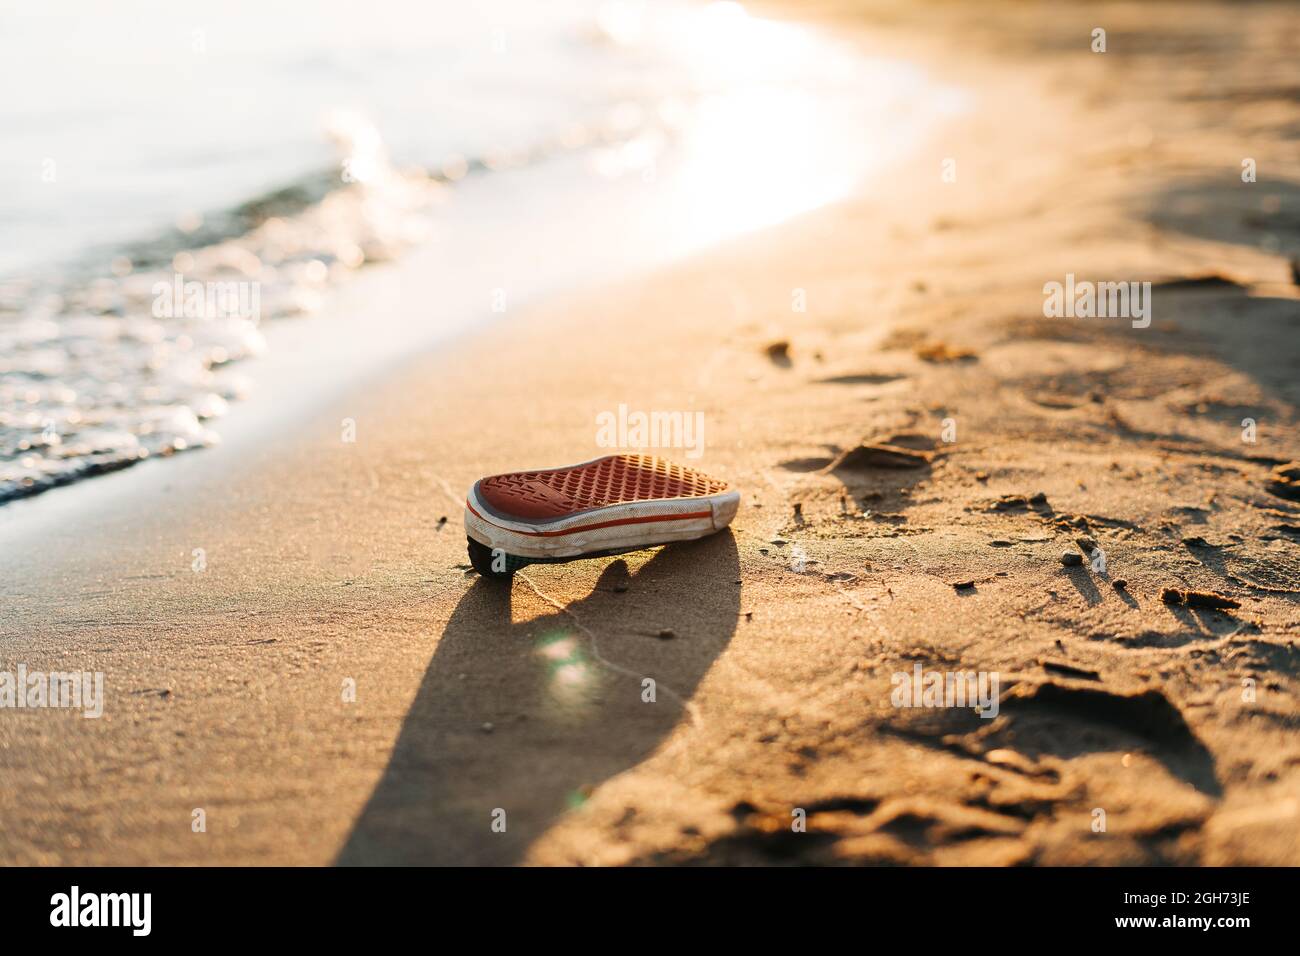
(592, 527)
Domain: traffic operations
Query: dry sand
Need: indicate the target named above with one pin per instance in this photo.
(327, 561)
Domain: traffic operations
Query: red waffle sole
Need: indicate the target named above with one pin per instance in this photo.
(615, 503)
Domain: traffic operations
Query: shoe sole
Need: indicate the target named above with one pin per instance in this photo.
(607, 505)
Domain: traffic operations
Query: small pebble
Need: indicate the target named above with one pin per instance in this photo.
(666, 634)
(1119, 584)
(1071, 559)
(488, 727)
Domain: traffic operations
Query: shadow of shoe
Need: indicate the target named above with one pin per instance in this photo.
(516, 721)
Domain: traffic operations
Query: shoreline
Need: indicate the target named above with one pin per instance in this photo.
(327, 562)
(161, 347)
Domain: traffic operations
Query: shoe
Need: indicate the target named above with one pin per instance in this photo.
(607, 506)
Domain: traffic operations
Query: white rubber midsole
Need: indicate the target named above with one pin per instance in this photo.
(621, 527)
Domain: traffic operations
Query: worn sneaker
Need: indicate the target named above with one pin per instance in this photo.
(608, 506)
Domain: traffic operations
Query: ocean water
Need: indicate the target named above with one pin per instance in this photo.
(176, 181)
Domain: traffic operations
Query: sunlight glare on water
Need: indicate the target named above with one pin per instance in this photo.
(775, 118)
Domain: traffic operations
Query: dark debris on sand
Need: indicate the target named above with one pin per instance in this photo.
(1197, 599)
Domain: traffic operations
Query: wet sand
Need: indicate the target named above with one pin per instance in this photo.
(328, 561)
